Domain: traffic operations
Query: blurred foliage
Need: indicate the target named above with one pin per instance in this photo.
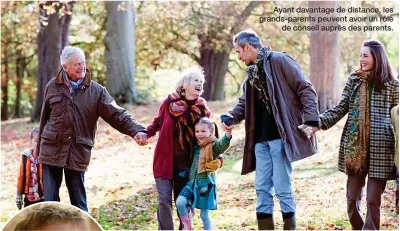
(167, 41)
(18, 37)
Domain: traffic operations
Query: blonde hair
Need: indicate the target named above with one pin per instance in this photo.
(45, 214)
(186, 76)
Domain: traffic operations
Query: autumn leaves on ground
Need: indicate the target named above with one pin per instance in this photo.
(122, 195)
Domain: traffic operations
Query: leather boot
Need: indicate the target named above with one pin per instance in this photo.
(265, 221)
(289, 221)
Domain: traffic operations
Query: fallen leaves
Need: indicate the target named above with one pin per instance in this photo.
(121, 193)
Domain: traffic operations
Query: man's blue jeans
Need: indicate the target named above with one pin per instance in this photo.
(273, 170)
(52, 178)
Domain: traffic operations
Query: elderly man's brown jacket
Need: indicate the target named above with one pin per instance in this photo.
(68, 122)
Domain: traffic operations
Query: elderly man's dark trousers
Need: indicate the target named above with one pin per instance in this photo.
(375, 188)
(52, 178)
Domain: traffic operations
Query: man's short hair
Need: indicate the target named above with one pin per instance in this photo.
(186, 76)
(70, 51)
(45, 214)
(248, 36)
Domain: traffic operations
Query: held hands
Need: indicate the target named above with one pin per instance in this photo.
(227, 129)
(227, 118)
(141, 138)
(18, 201)
(308, 130)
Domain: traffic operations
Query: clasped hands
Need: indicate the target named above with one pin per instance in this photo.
(308, 130)
(213, 165)
(141, 138)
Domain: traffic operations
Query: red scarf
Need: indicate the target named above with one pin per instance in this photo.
(186, 117)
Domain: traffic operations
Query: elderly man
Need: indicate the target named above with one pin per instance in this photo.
(277, 98)
(71, 108)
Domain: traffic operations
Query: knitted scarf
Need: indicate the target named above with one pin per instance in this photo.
(359, 132)
(206, 152)
(33, 187)
(186, 117)
(72, 85)
(254, 73)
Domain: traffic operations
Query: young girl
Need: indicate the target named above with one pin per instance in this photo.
(30, 181)
(200, 190)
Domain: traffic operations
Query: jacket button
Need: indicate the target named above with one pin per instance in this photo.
(69, 137)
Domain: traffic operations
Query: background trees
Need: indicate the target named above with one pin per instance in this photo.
(120, 51)
(53, 36)
(137, 49)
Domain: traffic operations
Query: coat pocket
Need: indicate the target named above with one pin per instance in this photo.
(295, 114)
(86, 145)
(85, 141)
(55, 105)
(49, 145)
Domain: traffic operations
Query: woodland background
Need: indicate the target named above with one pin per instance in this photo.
(136, 50)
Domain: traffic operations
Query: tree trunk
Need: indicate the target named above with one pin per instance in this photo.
(52, 37)
(324, 63)
(19, 71)
(215, 61)
(215, 64)
(4, 83)
(120, 51)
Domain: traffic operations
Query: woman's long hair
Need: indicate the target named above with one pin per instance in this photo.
(382, 70)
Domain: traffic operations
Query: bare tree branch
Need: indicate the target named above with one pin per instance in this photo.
(238, 84)
(183, 50)
(237, 63)
(239, 21)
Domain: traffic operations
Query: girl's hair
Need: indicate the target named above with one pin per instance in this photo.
(186, 76)
(207, 121)
(34, 132)
(382, 70)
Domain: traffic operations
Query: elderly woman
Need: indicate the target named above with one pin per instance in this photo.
(176, 119)
(367, 146)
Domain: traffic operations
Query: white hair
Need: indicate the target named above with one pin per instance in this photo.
(70, 51)
(187, 75)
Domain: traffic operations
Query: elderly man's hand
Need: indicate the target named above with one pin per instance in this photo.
(141, 138)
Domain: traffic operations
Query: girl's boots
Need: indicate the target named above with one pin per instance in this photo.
(187, 222)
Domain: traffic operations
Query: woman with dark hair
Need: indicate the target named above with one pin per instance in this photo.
(367, 146)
